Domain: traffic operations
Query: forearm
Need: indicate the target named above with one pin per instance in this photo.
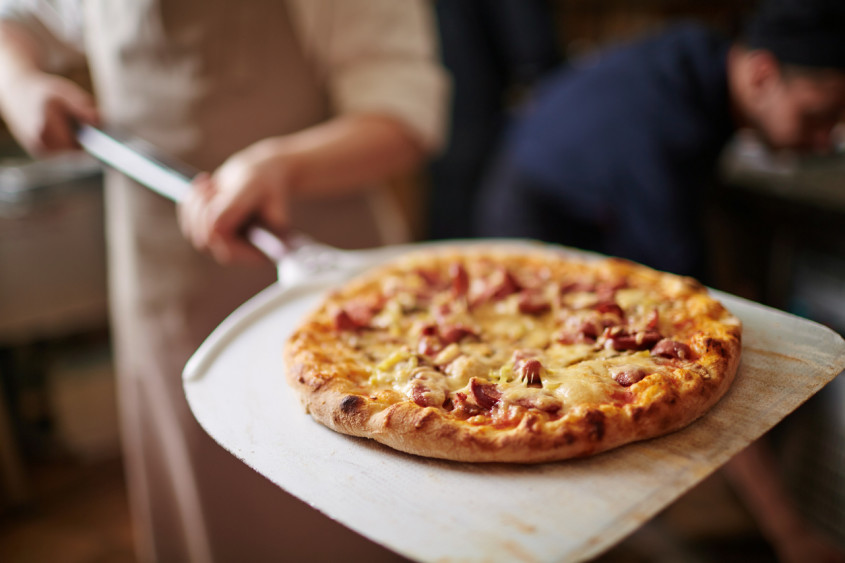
(340, 156)
(343, 155)
(19, 52)
(39, 107)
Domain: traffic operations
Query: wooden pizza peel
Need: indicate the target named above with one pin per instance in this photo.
(433, 510)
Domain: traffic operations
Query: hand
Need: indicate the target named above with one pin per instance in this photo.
(42, 109)
(251, 186)
(344, 155)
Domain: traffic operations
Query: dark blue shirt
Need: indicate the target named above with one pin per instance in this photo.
(627, 141)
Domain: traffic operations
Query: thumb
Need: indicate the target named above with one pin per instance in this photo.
(79, 104)
(276, 213)
(231, 210)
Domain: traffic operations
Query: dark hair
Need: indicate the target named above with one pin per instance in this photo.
(800, 33)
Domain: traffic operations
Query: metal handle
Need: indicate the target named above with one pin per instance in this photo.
(169, 177)
(139, 160)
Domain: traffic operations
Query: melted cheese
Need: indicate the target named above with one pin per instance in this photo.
(559, 356)
(583, 384)
(572, 374)
(580, 299)
(628, 299)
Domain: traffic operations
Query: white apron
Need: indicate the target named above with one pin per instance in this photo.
(202, 79)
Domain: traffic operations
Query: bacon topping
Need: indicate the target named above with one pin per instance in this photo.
(460, 279)
(342, 321)
(429, 345)
(587, 333)
(431, 278)
(673, 349)
(529, 371)
(454, 333)
(532, 303)
(419, 396)
(606, 291)
(433, 338)
(653, 320)
(506, 287)
(357, 315)
(627, 376)
(429, 330)
(487, 395)
(353, 318)
(621, 338)
(576, 287)
(589, 329)
(462, 405)
(497, 289)
(426, 396)
(610, 308)
(361, 313)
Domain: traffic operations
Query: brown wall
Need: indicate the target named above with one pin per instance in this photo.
(586, 24)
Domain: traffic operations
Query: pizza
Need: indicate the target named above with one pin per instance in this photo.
(512, 354)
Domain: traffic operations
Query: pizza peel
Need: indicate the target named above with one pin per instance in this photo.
(296, 255)
(433, 510)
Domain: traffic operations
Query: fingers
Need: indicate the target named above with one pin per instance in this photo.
(235, 250)
(234, 207)
(80, 105)
(193, 212)
(57, 133)
(211, 220)
(59, 105)
(246, 189)
(229, 215)
(274, 215)
(51, 132)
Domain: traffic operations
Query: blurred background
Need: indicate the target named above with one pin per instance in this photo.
(62, 496)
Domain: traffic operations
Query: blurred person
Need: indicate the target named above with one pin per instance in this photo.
(495, 53)
(615, 152)
(304, 106)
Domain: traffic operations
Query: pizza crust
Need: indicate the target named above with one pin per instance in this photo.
(333, 378)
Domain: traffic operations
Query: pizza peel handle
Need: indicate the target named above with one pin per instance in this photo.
(296, 255)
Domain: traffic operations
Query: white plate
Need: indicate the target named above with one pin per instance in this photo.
(433, 510)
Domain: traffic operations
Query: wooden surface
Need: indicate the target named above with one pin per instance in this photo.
(432, 510)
